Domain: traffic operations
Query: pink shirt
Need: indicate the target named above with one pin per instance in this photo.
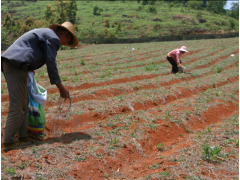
(175, 54)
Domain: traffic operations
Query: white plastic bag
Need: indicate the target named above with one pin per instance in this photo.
(36, 91)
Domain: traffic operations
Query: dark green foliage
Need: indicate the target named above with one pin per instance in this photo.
(152, 9)
(232, 24)
(216, 6)
(211, 153)
(72, 11)
(235, 10)
(97, 10)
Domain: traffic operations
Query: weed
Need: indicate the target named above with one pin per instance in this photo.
(23, 165)
(114, 141)
(160, 146)
(211, 153)
(39, 166)
(64, 78)
(167, 173)
(10, 171)
(219, 69)
(154, 166)
(106, 176)
(148, 177)
(3, 158)
(82, 61)
(2, 91)
(77, 158)
(34, 149)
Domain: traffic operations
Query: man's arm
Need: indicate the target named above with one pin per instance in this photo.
(50, 50)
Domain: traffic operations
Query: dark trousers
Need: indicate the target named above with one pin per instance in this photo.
(17, 121)
(174, 65)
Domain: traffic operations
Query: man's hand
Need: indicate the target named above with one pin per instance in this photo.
(64, 93)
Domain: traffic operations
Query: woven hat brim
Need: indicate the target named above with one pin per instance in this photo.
(75, 39)
(183, 50)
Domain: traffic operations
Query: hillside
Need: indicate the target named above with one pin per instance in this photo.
(136, 20)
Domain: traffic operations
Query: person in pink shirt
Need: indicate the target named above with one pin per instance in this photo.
(174, 58)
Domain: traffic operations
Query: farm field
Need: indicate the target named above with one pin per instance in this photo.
(131, 119)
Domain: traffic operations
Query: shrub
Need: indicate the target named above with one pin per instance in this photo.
(112, 34)
(232, 24)
(97, 10)
(118, 27)
(152, 9)
(29, 21)
(24, 29)
(106, 23)
(8, 22)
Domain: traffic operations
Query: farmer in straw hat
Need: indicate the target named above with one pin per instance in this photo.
(174, 58)
(29, 52)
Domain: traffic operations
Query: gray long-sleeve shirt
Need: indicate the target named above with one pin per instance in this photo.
(35, 48)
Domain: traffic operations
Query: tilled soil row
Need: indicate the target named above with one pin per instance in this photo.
(128, 161)
(104, 93)
(133, 78)
(5, 98)
(139, 59)
(76, 120)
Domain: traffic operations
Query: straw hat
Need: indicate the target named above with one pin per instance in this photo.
(70, 28)
(183, 48)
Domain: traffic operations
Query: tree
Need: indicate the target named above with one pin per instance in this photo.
(235, 10)
(217, 6)
(61, 9)
(8, 22)
(29, 21)
(49, 14)
(199, 5)
(72, 11)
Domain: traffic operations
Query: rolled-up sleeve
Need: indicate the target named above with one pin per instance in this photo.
(51, 47)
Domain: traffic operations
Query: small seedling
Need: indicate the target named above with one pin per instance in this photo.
(23, 165)
(167, 173)
(210, 153)
(34, 149)
(82, 62)
(160, 146)
(77, 158)
(10, 171)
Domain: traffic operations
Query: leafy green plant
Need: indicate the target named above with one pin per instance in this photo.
(77, 158)
(152, 9)
(97, 10)
(82, 61)
(219, 69)
(160, 146)
(211, 153)
(23, 165)
(154, 166)
(64, 78)
(10, 171)
(166, 173)
(34, 149)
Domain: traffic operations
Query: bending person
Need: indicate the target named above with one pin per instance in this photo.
(30, 52)
(173, 58)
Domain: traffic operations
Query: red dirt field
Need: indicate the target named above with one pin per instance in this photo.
(147, 125)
